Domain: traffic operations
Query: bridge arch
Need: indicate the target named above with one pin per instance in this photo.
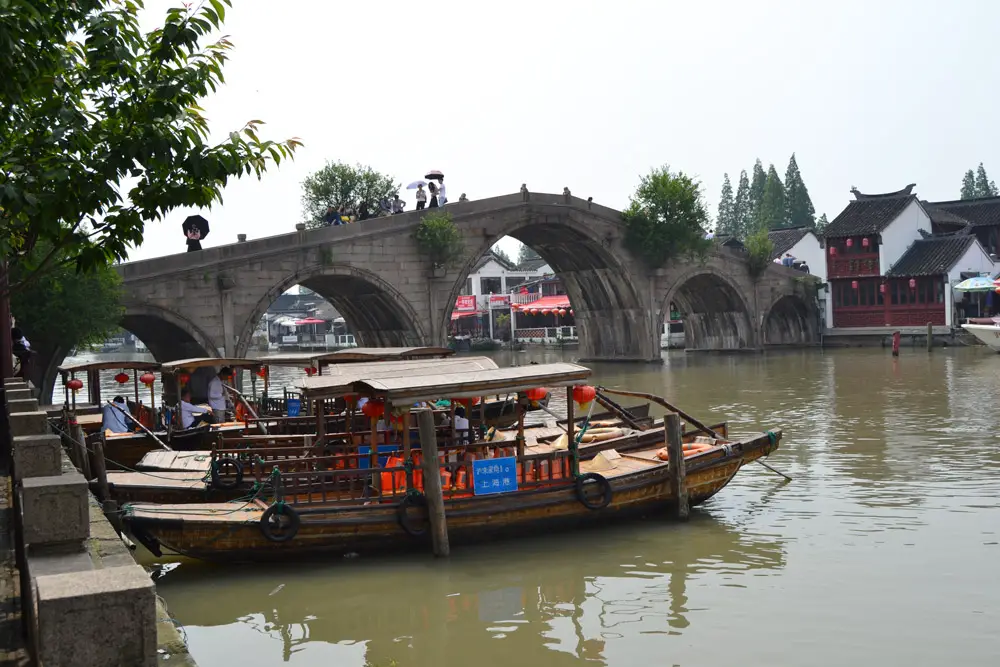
(716, 313)
(608, 305)
(790, 321)
(377, 313)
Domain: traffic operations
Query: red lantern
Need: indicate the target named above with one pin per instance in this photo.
(350, 399)
(536, 395)
(262, 372)
(562, 312)
(534, 311)
(833, 251)
(584, 393)
(546, 311)
(865, 242)
(74, 385)
(121, 378)
(183, 378)
(310, 371)
(881, 288)
(913, 283)
(374, 408)
(854, 284)
(147, 379)
(850, 243)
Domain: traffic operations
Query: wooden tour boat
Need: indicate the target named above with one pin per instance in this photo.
(364, 501)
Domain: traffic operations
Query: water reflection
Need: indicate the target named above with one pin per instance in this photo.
(553, 601)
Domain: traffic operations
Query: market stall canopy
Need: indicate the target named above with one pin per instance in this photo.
(309, 320)
(120, 364)
(456, 314)
(553, 302)
(404, 390)
(339, 379)
(202, 362)
(356, 354)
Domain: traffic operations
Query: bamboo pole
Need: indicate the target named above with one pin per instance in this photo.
(614, 408)
(930, 336)
(571, 441)
(141, 426)
(432, 484)
(661, 401)
(675, 467)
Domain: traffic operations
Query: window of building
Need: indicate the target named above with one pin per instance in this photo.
(490, 285)
(514, 281)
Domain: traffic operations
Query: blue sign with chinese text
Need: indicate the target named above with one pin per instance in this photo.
(494, 476)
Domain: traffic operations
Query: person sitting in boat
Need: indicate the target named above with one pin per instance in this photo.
(193, 415)
(217, 393)
(461, 424)
(114, 418)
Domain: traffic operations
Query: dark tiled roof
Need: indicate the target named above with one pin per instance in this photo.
(978, 212)
(932, 256)
(729, 241)
(869, 215)
(943, 217)
(492, 256)
(784, 239)
(531, 264)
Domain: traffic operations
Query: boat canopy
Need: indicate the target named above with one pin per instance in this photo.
(410, 389)
(121, 364)
(339, 379)
(201, 362)
(355, 355)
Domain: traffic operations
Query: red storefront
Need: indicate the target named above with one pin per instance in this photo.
(881, 302)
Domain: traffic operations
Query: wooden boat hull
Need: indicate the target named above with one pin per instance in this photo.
(232, 532)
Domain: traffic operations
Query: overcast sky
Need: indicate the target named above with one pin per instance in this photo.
(590, 95)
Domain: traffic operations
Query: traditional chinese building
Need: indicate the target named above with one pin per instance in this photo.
(891, 260)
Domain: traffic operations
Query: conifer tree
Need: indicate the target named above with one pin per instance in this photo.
(969, 185)
(821, 224)
(799, 211)
(771, 213)
(757, 183)
(742, 209)
(725, 223)
(984, 186)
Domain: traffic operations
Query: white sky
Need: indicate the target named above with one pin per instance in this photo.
(590, 95)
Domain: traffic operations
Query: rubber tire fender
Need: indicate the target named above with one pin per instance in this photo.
(598, 479)
(218, 482)
(410, 500)
(286, 510)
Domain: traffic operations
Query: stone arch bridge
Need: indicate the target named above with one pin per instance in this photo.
(208, 303)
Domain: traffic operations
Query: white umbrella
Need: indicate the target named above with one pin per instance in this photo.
(415, 184)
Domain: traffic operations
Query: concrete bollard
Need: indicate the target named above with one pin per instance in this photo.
(18, 394)
(22, 405)
(37, 456)
(241, 238)
(54, 509)
(28, 423)
(300, 226)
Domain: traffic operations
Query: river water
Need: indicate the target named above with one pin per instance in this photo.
(881, 551)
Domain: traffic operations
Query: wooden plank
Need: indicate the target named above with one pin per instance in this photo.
(193, 462)
(432, 484)
(675, 448)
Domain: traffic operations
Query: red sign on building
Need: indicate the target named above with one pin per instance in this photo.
(465, 303)
(499, 300)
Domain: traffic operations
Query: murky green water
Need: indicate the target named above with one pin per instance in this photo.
(881, 551)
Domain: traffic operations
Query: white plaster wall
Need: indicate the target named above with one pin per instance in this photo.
(808, 250)
(900, 233)
(975, 259)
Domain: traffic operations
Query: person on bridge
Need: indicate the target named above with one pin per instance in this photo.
(193, 415)
(421, 197)
(442, 196)
(433, 189)
(397, 204)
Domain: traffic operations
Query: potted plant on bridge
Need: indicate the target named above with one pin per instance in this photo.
(439, 239)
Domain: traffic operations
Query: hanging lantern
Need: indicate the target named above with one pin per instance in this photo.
(881, 288)
(850, 243)
(121, 378)
(534, 311)
(147, 379)
(536, 396)
(854, 284)
(310, 371)
(74, 385)
(562, 312)
(374, 408)
(351, 400)
(546, 311)
(183, 378)
(913, 283)
(833, 251)
(262, 372)
(583, 395)
(865, 242)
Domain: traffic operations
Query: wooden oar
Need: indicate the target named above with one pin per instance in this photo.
(778, 472)
(661, 401)
(622, 413)
(140, 425)
(246, 404)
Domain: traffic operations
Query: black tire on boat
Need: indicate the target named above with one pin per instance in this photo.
(588, 480)
(271, 519)
(405, 522)
(228, 482)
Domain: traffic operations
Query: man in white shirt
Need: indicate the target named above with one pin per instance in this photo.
(192, 415)
(217, 393)
(113, 419)
(442, 196)
(461, 424)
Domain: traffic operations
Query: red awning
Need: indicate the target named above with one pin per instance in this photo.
(554, 302)
(311, 320)
(455, 314)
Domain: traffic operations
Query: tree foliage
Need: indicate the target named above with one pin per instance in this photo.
(984, 186)
(759, 250)
(100, 128)
(666, 218)
(63, 308)
(799, 211)
(359, 188)
(821, 224)
(743, 213)
(771, 213)
(725, 223)
(501, 253)
(969, 185)
(758, 181)
(439, 239)
(526, 254)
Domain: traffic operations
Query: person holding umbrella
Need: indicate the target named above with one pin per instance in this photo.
(438, 196)
(432, 188)
(195, 228)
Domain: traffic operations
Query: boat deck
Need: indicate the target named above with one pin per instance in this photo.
(189, 462)
(167, 479)
(231, 512)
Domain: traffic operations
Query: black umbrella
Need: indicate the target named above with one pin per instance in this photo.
(193, 222)
(433, 174)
